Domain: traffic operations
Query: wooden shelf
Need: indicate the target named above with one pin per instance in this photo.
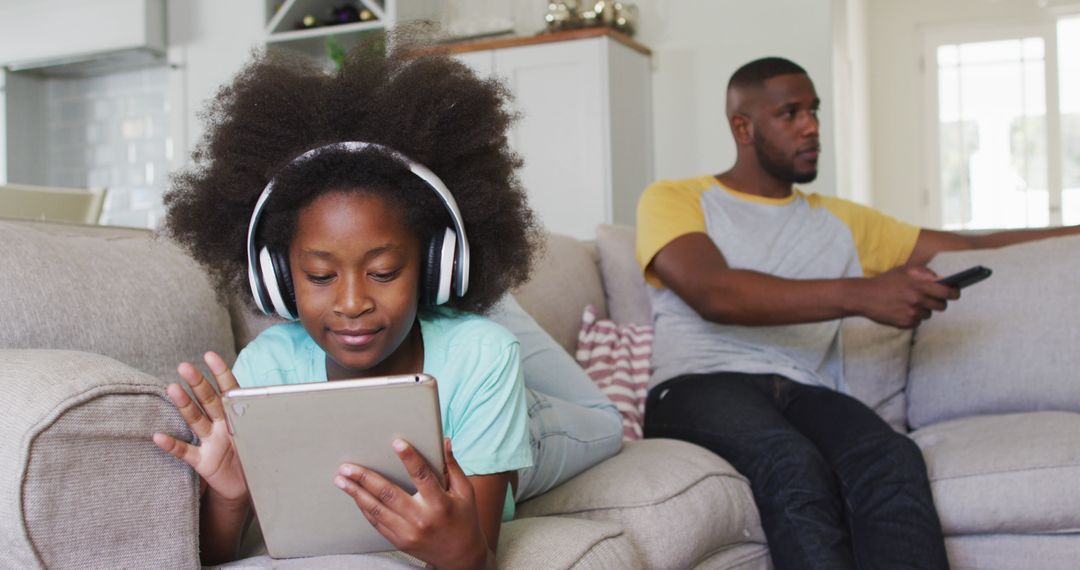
(282, 34)
(282, 22)
(543, 38)
(323, 31)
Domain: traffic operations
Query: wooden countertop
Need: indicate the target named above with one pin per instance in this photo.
(542, 38)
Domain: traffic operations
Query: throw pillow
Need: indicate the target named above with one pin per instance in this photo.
(876, 367)
(618, 359)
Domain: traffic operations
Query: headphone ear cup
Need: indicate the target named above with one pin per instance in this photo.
(439, 268)
(258, 284)
(283, 275)
(429, 281)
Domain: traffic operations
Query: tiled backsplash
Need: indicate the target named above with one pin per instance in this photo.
(113, 131)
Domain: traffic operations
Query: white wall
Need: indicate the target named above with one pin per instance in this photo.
(897, 30)
(697, 45)
(209, 41)
(851, 96)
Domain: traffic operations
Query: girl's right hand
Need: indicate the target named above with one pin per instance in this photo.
(215, 459)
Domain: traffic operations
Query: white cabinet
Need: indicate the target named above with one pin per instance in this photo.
(585, 130)
(45, 34)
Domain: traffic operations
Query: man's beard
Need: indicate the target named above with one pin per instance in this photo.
(775, 168)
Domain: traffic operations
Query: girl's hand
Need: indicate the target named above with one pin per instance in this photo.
(439, 526)
(215, 459)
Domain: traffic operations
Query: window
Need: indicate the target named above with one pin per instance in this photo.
(1007, 126)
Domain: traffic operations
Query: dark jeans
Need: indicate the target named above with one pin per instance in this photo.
(836, 487)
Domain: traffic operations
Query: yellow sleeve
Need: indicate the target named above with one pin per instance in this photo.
(883, 242)
(667, 210)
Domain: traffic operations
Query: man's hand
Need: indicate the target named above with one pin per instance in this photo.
(903, 297)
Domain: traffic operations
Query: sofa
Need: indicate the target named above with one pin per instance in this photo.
(95, 320)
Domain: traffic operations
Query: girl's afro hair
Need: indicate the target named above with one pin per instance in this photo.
(424, 105)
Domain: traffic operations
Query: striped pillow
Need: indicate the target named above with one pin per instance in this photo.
(617, 358)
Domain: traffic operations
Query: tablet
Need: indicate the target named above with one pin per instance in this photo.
(291, 439)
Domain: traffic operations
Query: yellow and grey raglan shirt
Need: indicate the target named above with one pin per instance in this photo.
(799, 237)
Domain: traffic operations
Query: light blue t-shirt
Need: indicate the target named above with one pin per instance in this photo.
(477, 365)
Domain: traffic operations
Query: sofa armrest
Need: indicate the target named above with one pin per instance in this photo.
(80, 479)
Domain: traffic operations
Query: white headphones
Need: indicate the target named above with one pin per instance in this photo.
(446, 260)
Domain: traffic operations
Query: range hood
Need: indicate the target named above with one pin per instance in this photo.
(76, 38)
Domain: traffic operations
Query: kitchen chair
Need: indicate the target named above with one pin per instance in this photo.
(79, 205)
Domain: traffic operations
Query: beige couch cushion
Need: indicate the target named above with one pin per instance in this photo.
(81, 483)
(676, 501)
(561, 542)
(738, 557)
(624, 286)
(1009, 344)
(114, 292)
(1013, 552)
(247, 324)
(876, 367)
(565, 280)
(1014, 473)
(545, 542)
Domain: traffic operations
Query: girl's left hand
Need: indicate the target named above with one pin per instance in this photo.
(439, 526)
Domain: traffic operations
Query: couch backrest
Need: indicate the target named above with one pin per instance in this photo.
(565, 279)
(111, 291)
(1010, 344)
(571, 274)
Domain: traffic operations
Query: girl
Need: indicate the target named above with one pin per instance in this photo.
(377, 208)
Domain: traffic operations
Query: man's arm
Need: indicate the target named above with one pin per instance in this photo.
(932, 242)
(695, 269)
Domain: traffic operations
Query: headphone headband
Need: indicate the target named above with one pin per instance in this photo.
(461, 265)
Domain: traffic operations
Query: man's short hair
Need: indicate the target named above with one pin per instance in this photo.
(757, 72)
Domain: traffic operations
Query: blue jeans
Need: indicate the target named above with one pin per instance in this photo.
(568, 434)
(835, 486)
(572, 425)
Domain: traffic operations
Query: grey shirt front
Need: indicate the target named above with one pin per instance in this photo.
(800, 237)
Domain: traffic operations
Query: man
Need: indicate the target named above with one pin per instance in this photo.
(748, 280)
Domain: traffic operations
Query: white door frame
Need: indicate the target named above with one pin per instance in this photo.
(933, 37)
